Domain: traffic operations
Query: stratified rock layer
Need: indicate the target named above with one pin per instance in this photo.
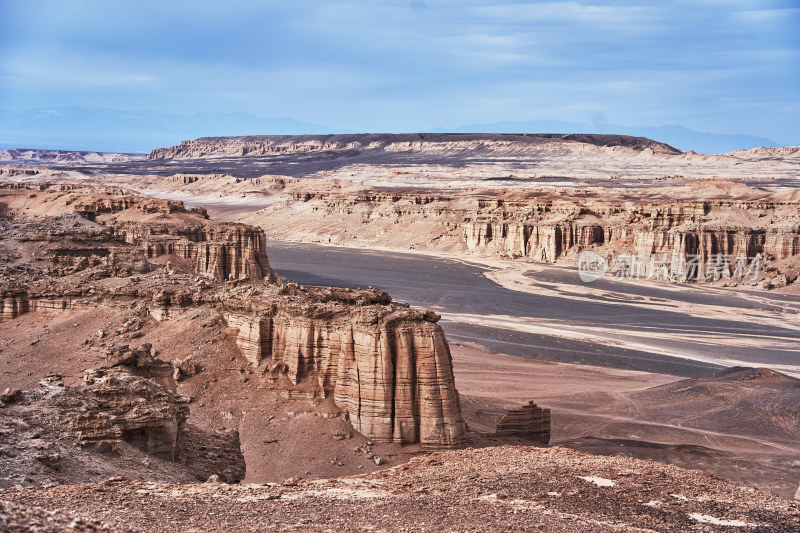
(681, 239)
(388, 366)
(219, 251)
(529, 422)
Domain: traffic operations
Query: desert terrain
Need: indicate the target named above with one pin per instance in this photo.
(321, 313)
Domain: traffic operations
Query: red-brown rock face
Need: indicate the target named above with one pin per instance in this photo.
(389, 368)
(387, 365)
(76, 241)
(219, 251)
(550, 227)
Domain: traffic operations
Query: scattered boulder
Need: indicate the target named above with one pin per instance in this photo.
(10, 395)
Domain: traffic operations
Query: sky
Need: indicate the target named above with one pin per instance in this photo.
(725, 66)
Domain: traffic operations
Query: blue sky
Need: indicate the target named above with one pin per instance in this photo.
(727, 66)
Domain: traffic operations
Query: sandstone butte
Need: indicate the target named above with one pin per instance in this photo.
(387, 365)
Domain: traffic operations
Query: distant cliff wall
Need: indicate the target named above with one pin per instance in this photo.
(265, 145)
(546, 227)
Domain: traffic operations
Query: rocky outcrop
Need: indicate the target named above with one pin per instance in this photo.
(120, 261)
(644, 229)
(545, 243)
(141, 362)
(219, 251)
(118, 422)
(114, 204)
(529, 422)
(387, 366)
(15, 303)
(122, 406)
(74, 242)
(550, 243)
(662, 235)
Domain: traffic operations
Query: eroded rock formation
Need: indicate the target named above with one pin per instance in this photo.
(115, 413)
(221, 251)
(530, 422)
(387, 366)
(122, 406)
(678, 238)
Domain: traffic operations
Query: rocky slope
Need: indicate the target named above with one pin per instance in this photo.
(122, 420)
(732, 400)
(16, 518)
(489, 489)
(387, 366)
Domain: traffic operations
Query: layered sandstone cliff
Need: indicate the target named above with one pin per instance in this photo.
(221, 251)
(675, 236)
(386, 366)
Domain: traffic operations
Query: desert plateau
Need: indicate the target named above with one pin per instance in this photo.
(401, 320)
(409, 266)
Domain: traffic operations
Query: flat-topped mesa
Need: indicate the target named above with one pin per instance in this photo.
(223, 251)
(265, 145)
(387, 365)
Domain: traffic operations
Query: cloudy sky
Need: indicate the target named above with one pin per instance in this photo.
(727, 66)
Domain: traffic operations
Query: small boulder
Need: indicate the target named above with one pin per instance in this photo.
(10, 395)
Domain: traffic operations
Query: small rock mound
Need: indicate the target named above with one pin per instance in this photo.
(755, 375)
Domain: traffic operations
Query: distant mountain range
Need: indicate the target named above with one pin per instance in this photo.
(109, 130)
